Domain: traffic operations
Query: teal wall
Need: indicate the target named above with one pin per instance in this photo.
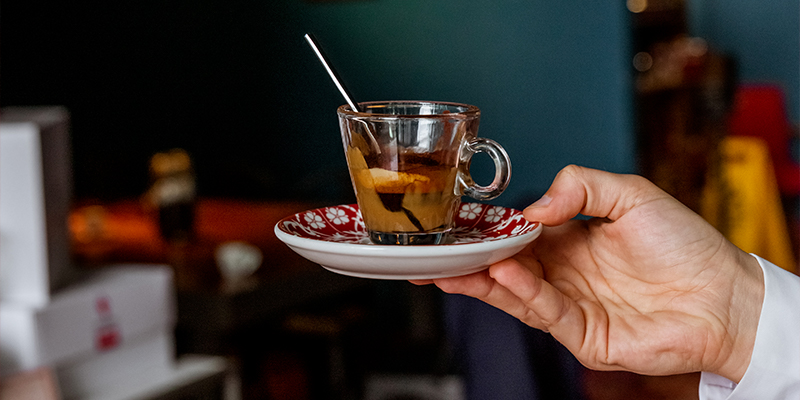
(234, 83)
(763, 36)
(552, 78)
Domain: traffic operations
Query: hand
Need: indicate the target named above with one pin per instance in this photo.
(646, 286)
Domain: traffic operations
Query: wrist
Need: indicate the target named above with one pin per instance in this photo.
(746, 301)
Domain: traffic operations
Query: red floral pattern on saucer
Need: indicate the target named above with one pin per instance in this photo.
(474, 222)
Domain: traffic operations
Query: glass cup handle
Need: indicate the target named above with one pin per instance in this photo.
(502, 174)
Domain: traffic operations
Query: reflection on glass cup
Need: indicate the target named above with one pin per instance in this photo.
(409, 163)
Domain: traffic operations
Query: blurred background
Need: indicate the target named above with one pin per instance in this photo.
(701, 96)
(236, 86)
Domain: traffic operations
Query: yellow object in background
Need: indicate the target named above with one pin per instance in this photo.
(742, 201)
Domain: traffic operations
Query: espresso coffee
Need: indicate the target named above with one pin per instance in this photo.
(414, 202)
(409, 163)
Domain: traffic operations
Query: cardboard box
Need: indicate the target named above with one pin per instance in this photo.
(108, 310)
(146, 358)
(190, 377)
(35, 196)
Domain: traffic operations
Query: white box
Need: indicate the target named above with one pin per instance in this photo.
(386, 387)
(35, 197)
(111, 308)
(188, 378)
(146, 358)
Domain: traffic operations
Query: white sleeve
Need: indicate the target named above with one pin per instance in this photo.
(774, 370)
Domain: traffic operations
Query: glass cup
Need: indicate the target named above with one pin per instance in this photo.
(409, 163)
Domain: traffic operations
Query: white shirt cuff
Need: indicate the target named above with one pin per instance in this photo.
(774, 370)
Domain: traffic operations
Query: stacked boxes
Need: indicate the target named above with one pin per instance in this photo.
(35, 197)
(113, 327)
(110, 328)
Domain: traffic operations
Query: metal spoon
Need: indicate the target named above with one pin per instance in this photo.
(321, 55)
(345, 93)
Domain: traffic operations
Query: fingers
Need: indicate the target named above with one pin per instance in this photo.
(482, 286)
(554, 311)
(578, 190)
(516, 286)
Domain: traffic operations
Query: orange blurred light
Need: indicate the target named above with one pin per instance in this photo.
(637, 6)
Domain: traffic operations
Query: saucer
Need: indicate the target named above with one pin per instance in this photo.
(335, 238)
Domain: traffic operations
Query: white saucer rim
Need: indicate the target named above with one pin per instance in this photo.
(402, 251)
(406, 276)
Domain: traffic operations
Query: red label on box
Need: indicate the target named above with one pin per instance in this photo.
(108, 337)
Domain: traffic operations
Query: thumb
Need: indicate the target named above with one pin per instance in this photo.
(579, 190)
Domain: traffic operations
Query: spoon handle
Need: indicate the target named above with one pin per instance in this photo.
(313, 43)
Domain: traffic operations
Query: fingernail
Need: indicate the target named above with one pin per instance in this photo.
(542, 202)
